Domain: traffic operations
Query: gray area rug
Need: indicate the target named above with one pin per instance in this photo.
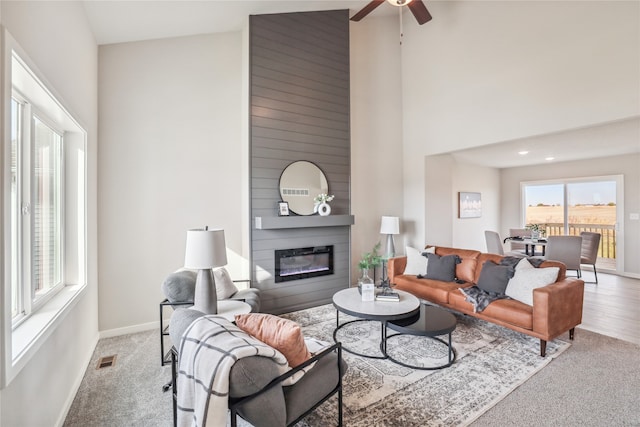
(593, 383)
(492, 361)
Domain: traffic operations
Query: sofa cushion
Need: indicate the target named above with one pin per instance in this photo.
(527, 278)
(225, 288)
(507, 311)
(417, 261)
(430, 290)
(466, 270)
(494, 277)
(282, 334)
(248, 376)
(442, 268)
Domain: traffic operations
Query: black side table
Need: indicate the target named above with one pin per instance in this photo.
(430, 322)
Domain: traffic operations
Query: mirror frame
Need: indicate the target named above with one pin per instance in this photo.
(292, 206)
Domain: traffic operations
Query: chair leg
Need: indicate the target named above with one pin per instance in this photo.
(543, 348)
(339, 386)
(234, 418)
(595, 273)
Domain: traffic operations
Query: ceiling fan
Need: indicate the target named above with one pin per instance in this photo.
(416, 7)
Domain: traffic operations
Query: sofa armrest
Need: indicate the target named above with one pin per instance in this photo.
(395, 267)
(558, 307)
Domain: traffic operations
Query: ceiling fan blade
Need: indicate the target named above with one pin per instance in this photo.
(367, 10)
(420, 11)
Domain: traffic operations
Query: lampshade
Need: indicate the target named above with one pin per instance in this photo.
(390, 225)
(205, 249)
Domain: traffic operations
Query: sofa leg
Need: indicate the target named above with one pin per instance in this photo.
(572, 332)
(543, 348)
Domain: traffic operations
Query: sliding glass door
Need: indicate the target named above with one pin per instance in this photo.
(569, 207)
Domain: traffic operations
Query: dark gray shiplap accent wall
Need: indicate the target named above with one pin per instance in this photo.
(299, 89)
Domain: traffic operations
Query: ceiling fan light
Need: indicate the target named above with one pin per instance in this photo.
(399, 2)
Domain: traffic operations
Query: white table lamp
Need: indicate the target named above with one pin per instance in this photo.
(390, 225)
(206, 249)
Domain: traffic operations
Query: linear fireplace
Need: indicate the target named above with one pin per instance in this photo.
(303, 263)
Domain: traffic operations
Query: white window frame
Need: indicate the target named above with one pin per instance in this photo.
(20, 342)
(619, 180)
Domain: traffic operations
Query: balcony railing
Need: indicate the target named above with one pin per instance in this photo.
(607, 247)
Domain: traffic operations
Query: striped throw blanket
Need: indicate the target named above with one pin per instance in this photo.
(208, 349)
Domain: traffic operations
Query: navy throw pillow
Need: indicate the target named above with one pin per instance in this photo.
(494, 278)
(442, 268)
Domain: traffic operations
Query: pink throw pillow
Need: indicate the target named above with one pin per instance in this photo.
(282, 334)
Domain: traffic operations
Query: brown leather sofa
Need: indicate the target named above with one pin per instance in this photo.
(557, 308)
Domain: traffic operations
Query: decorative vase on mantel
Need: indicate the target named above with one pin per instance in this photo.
(321, 204)
(324, 209)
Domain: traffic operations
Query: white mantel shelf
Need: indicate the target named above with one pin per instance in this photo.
(279, 222)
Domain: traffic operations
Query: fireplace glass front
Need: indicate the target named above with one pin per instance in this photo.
(303, 263)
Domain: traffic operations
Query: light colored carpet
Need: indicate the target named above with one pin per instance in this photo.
(593, 383)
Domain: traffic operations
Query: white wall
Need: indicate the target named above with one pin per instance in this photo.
(376, 133)
(445, 177)
(170, 159)
(56, 37)
(489, 71)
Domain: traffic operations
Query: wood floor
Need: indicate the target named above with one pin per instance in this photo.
(612, 307)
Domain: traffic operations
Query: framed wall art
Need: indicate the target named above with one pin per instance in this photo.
(469, 205)
(283, 208)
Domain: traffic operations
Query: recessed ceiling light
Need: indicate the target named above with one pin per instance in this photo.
(523, 152)
(549, 158)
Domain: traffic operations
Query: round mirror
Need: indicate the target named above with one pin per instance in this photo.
(300, 183)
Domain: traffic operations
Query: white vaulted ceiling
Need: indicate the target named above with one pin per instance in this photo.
(128, 21)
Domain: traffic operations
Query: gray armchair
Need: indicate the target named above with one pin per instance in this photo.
(256, 392)
(179, 287)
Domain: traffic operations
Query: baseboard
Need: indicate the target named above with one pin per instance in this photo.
(76, 384)
(143, 327)
(631, 275)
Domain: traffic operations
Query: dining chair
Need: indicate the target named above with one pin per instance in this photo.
(589, 252)
(494, 244)
(566, 249)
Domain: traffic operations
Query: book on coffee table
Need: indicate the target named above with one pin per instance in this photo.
(388, 296)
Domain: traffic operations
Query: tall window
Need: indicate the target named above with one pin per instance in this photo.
(47, 200)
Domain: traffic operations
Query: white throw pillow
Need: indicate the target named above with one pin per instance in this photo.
(225, 287)
(527, 278)
(416, 262)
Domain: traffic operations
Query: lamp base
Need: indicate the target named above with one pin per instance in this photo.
(205, 298)
(390, 250)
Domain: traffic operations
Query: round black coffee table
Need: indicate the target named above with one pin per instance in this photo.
(430, 322)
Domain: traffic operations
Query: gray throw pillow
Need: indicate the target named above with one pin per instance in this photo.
(180, 286)
(494, 277)
(442, 268)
